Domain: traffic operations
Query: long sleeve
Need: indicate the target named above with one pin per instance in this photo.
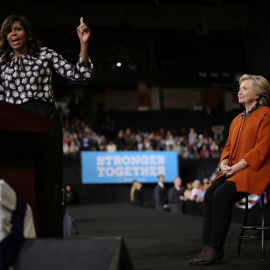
(30, 77)
(2, 87)
(258, 155)
(2, 90)
(249, 140)
(73, 72)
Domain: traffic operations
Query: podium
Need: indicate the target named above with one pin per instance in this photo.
(19, 137)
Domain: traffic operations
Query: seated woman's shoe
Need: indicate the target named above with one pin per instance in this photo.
(211, 256)
(193, 261)
(199, 256)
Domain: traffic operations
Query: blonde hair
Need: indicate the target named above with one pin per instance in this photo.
(132, 190)
(260, 87)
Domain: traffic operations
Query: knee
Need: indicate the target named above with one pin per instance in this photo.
(219, 198)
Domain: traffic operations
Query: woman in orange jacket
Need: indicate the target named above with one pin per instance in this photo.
(244, 166)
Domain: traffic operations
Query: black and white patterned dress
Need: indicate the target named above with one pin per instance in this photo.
(27, 77)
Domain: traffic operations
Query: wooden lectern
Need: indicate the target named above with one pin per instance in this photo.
(19, 137)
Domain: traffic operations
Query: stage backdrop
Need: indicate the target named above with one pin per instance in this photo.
(125, 166)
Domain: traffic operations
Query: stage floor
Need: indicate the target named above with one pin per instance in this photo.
(162, 240)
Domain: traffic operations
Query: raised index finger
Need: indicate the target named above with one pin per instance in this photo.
(81, 20)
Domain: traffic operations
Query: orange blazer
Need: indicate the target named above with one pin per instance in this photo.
(249, 138)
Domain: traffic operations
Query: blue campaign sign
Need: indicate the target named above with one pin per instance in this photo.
(125, 166)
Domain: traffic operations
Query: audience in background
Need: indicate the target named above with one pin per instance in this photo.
(132, 190)
(138, 196)
(111, 147)
(79, 136)
(204, 186)
(175, 196)
(160, 195)
(252, 201)
(196, 188)
(187, 191)
(70, 196)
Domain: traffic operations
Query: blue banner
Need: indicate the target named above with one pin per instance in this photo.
(126, 166)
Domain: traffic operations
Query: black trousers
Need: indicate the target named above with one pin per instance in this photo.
(217, 211)
(48, 172)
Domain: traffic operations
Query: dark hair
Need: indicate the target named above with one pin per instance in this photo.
(33, 41)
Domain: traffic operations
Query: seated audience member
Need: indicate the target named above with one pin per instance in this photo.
(111, 147)
(218, 132)
(199, 142)
(85, 142)
(147, 144)
(102, 145)
(131, 142)
(187, 192)
(206, 182)
(214, 149)
(65, 148)
(140, 144)
(200, 195)
(160, 194)
(161, 133)
(196, 188)
(175, 196)
(205, 153)
(214, 174)
(169, 141)
(66, 142)
(186, 153)
(138, 196)
(192, 135)
(253, 199)
(194, 152)
(179, 148)
(73, 148)
(120, 140)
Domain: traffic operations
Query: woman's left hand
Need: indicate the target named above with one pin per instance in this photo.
(83, 32)
(235, 168)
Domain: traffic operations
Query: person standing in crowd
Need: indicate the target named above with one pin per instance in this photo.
(187, 191)
(196, 188)
(138, 196)
(26, 70)
(175, 196)
(160, 194)
(244, 166)
(132, 190)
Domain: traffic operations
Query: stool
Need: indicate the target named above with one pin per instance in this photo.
(262, 228)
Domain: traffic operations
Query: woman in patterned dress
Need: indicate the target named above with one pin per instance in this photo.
(26, 71)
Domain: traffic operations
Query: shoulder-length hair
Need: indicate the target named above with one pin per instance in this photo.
(260, 87)
(33, 42)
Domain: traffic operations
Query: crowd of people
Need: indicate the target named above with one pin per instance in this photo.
(80, 136)
(173, 199)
